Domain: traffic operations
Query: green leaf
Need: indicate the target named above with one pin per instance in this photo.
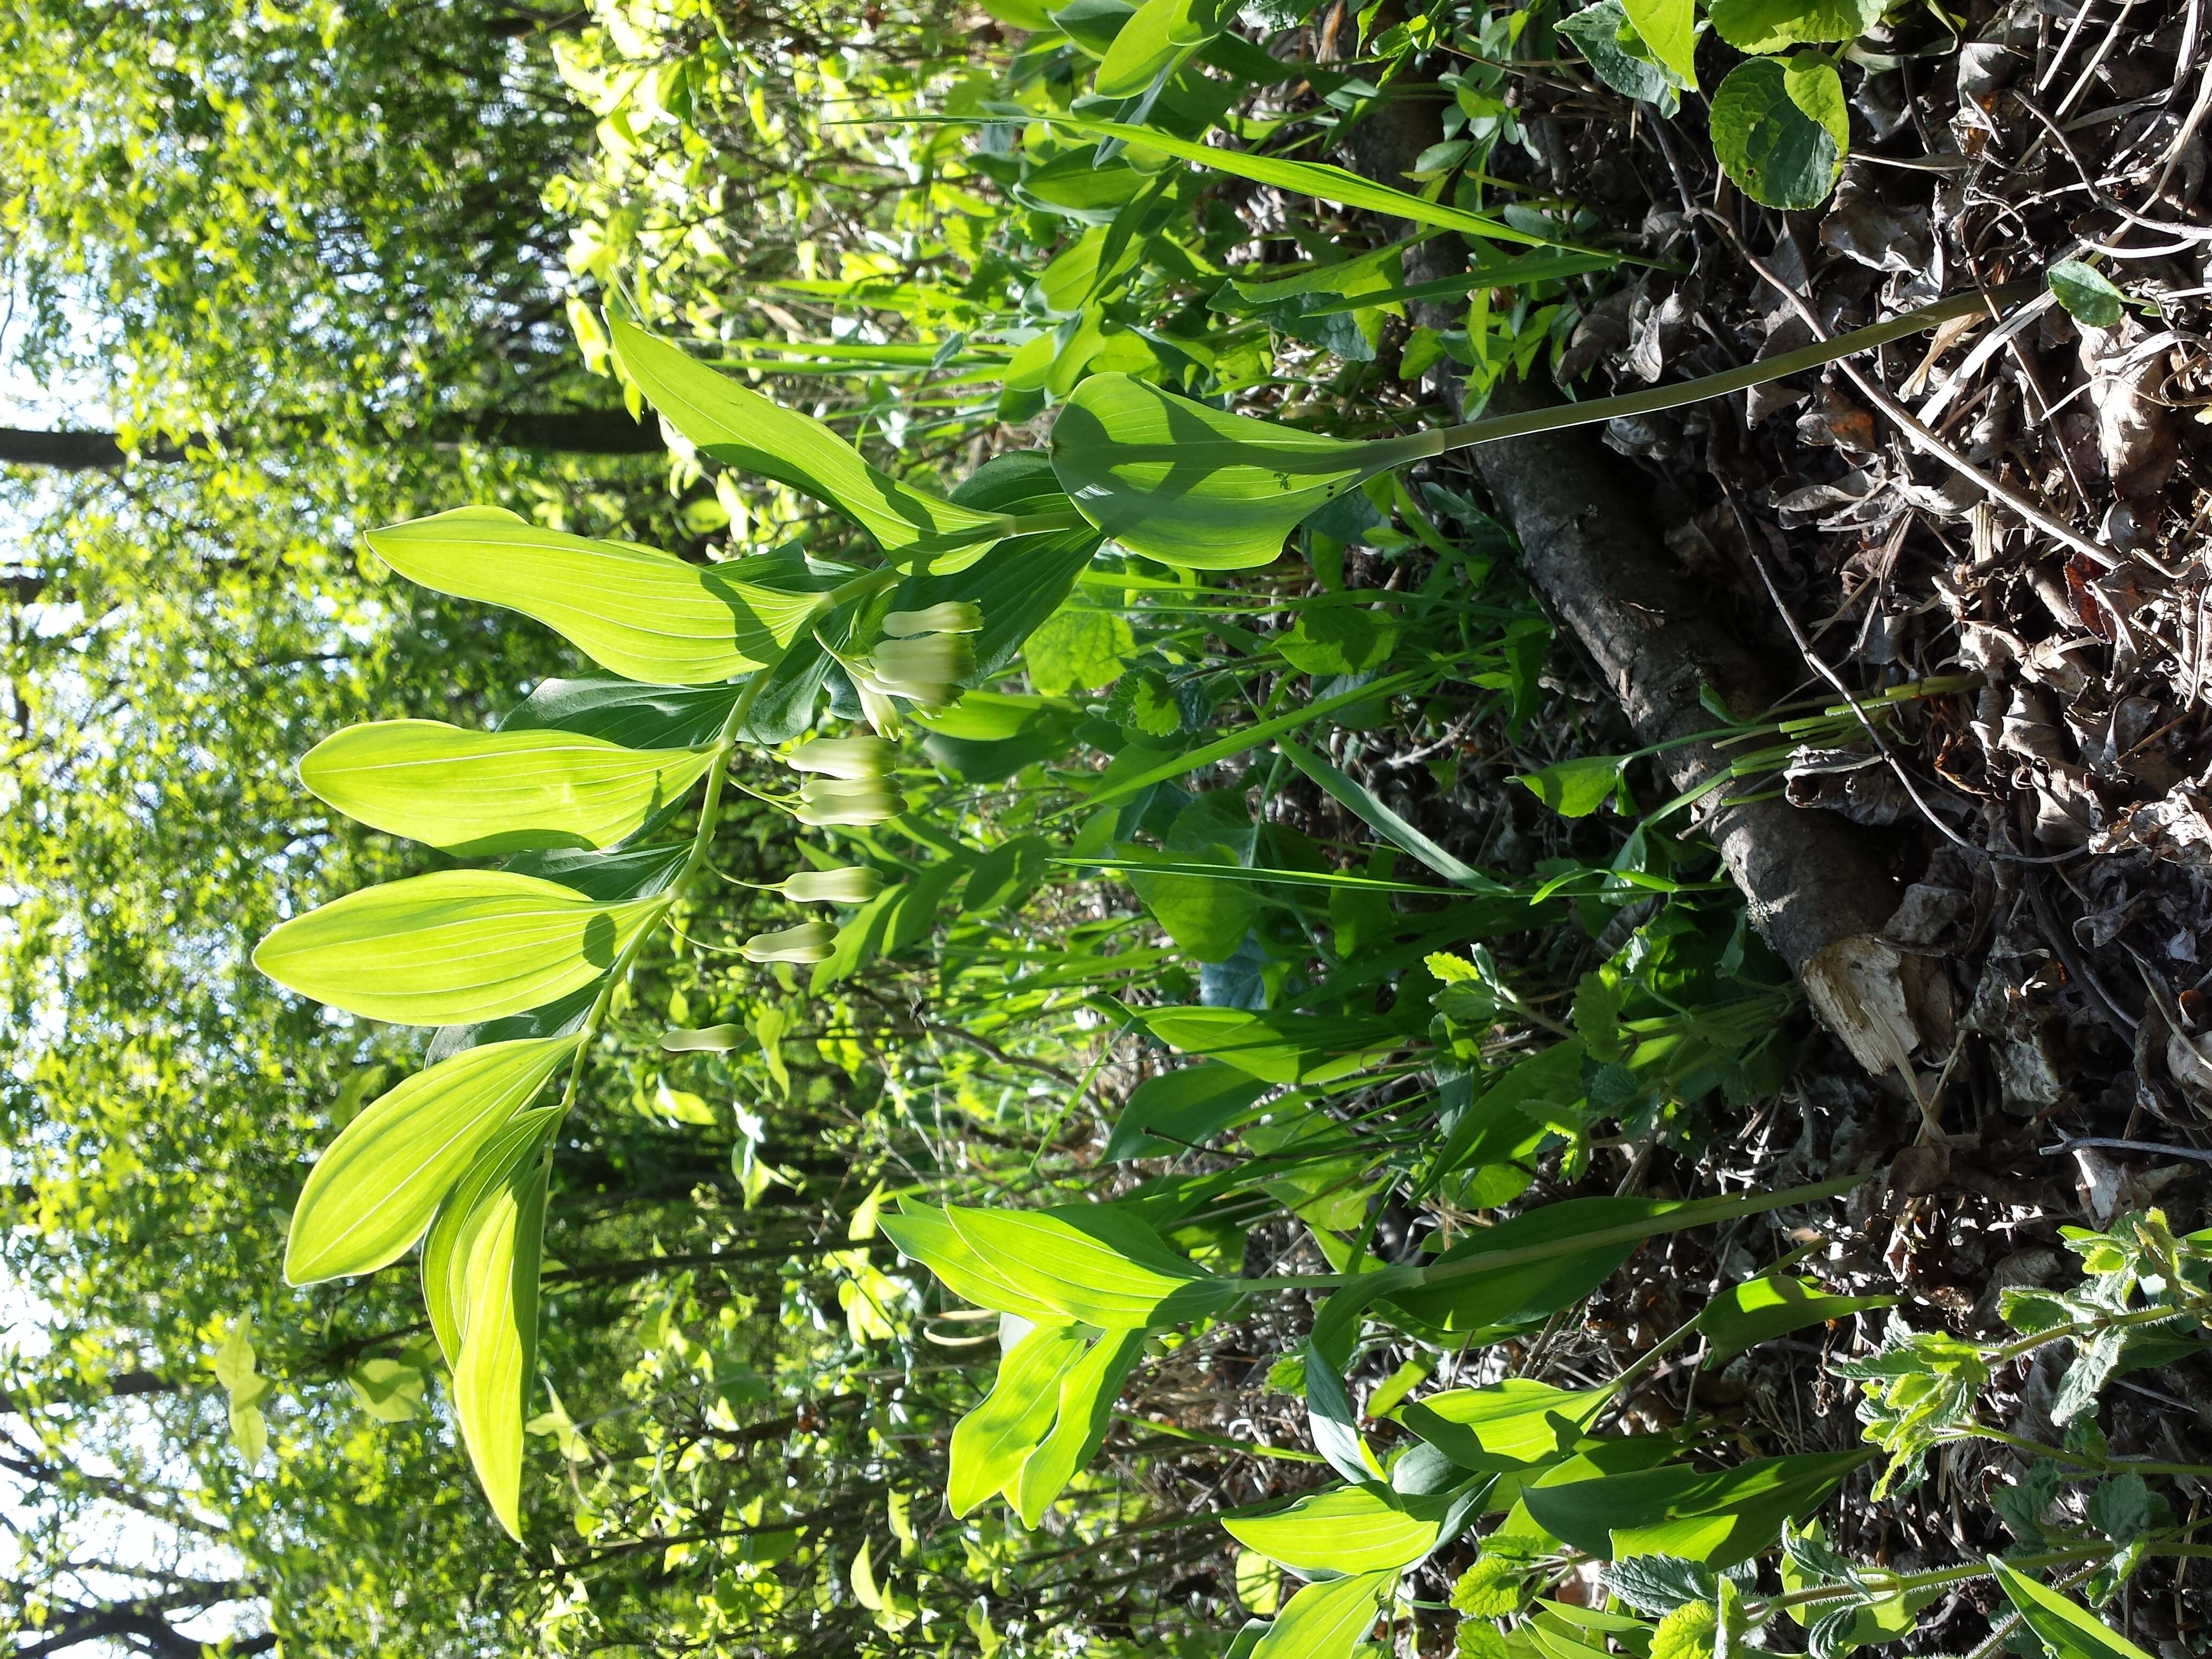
(1279, 1048)
(1618, 56)
(450, 948)
(990, 1443)
(1088, 1390)
(1191, 1104)
(926, 1234)
(1718, 1518)
(1669, 28)
(1207, 919)
(1345, 1529)
(1343, 639)
(1077, 649)
(473, 792)
(1744, 1315)
(1533, 1290)
(642, 614)
(1153, 43)
(1025, 579)
(1513, 1423)
(2068, 1630)
(480, 1264)
(1330, 184)
(1362, 801)
(1574, 788)
(615, 710)
(1771, 25)
(1092, 1262)
(373, 1192)
(1195, 487)
(1780, 132)
(2087, 293)
(1327, 1620)
(739, 428)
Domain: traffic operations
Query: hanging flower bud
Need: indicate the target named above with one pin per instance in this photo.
(808, 942)
(841, 801)
(855, 884)
(926, 670)
(844, 758)
(952, 617)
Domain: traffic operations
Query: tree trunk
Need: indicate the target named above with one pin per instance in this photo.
(1815, 885)
(567, 431)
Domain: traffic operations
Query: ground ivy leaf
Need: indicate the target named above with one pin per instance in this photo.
(1767, 26)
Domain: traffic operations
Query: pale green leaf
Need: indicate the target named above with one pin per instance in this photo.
(1501, 1425)
(924, 1234)
(1153, 43)
(1574, 788)
(1363, 1529)
(2069, 1631)
(1088, 1390)
(643, 615)
(480, 1266)
(1090, 1262)
(473, 792)
(1327, 1620)
(373, 1192)
(457, 946)
(1669, 28)
(1769, 26)
(739, 428)
(991, 1442)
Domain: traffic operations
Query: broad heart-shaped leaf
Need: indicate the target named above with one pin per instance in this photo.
(452, 947)
(1782, 131)
(497, 792)
(373, 1192)
(1088, 1390)
(2067, 1630)
(1719, 1519)
(741, 428)
(480, 1264)
(1774, 1304)
(1577, 787)
(1092, 1262)
(926, 1234)
(1512, 1423)
(1196, 487)
(990, 1443)
(1162, 34)
(1345, 1529)
(643, 615)
(1669, 28)
(1768, 26)
(1327, 1620)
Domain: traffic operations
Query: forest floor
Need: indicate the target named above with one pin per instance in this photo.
(2049, 826)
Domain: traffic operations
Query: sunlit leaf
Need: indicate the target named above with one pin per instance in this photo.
(496, 792)
(452, 947)
(739, 428)
(373, 1192)
(644, 615)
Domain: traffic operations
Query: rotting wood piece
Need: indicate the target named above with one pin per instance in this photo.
(1816, 887)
